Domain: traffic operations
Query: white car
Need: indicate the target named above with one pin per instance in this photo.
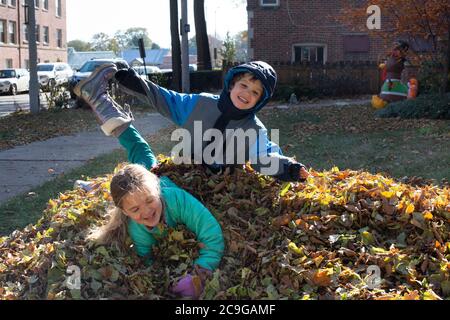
(14, 80)
(53, 74)
(147, 70)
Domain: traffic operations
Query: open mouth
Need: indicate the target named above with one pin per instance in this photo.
(242, 100)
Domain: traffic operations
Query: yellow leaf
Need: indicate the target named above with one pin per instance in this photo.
(387, 194)
(52, 204)
(427, 215)
(293, 247)
(322, 277)
(410, 208)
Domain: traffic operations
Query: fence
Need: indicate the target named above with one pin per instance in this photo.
(330, 79)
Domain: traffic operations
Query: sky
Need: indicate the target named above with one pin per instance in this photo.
(88, 17)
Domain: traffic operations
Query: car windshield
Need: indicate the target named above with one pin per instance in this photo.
(45, 67)
(91, 65)
(4, 74)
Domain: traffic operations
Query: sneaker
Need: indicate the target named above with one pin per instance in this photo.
(96, 84)
(85, 185)
(112, 118)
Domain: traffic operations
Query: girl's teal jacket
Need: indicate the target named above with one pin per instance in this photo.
(179, 207)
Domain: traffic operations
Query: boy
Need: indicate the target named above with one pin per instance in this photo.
(247, 89)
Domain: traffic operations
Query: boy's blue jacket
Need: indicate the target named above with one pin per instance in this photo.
(200, 112)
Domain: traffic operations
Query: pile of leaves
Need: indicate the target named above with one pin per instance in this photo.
(313, 240)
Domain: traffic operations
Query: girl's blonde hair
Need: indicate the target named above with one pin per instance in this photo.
(128, 180)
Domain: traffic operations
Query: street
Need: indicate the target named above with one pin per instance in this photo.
(9, 104)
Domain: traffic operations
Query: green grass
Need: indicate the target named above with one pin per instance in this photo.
(24, 209)
(350, 138)
(353, 138)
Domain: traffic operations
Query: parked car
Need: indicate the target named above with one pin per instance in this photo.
(53, 74)
(14, 80)
(147, 70)
(86, 70)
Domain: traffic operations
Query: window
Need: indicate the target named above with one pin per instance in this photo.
(3, 31)
(12, 3)
(58, 8)
(46, 35)
(356, 43)
(309, 53)
(38, 33)
(269, 3)
(45, 4)
(59, 38)
(3, 2)
(9, 63)
(36, 4)
(25, 33)
(356, 47)
(12, 32)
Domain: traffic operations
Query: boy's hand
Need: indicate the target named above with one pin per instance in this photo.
(303, 173)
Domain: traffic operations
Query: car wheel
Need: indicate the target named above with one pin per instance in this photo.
(52, 83)
(13, 90)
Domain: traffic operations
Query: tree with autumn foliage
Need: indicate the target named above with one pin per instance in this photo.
(409, 20)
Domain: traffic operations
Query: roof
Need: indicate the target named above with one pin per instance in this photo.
(77, 58)
(153, 56)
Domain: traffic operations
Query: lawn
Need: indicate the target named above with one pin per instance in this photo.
(321, 138)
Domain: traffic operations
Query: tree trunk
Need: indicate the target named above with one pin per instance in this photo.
(446, 84)
(201, 36)
(176, 49)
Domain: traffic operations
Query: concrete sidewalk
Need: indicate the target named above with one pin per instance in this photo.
(27, 166)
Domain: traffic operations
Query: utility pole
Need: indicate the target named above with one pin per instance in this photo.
(185, 28)
(30, 19)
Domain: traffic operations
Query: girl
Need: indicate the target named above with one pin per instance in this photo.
(145, 203)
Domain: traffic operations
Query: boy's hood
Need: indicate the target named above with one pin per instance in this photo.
(263, 72)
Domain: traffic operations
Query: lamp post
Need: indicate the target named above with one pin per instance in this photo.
(30, 19)
(185, 28)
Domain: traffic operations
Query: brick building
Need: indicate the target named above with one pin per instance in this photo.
(50, 32)
(299, 30)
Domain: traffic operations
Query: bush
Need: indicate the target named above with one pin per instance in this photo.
(430, 77)
(57, 97)
(430, 106)
(323, 86)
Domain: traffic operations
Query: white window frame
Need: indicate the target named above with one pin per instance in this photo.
(26, 33)
(59, 41)
(58, 8)
(12, 24)
(310, 44)
(4, 34)
(263, 4)
(46, 35)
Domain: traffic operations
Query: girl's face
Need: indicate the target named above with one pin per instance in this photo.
(143, 207)
(246, 92)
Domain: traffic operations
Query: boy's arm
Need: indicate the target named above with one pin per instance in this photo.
(267, 158)
(173, 105)
(202, 223)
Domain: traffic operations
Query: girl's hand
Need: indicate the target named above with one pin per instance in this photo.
(191, 286)
(303, 173)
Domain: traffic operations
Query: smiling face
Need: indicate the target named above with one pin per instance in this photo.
(143, 207)
(246, 92)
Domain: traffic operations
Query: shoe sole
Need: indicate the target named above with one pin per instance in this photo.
(79, 86)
